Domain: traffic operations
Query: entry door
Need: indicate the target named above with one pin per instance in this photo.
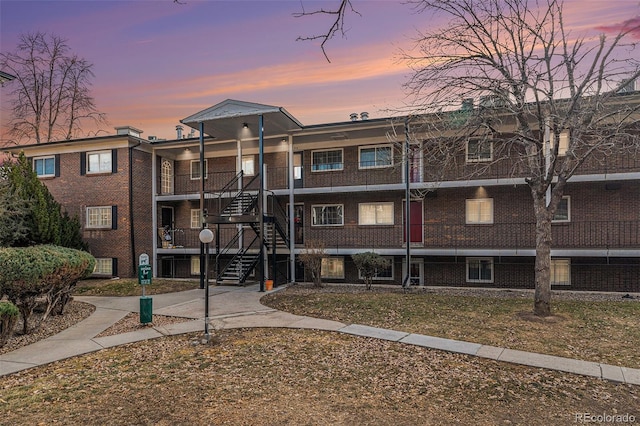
(298, 223)
(417, 271)
(166, 219)
(416, 222)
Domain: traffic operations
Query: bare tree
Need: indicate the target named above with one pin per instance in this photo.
(50, 99)
(311, 257)
(337, 23)
(549, 101)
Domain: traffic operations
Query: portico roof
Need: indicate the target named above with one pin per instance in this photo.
(226, 120)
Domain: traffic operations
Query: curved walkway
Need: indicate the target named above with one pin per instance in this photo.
(239, 307)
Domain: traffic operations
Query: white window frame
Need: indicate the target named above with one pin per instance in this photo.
(376, 222)
(376, 277)
(473, 211)
(479, 159)
(166, 176)
(314, 216)
(99, 212)
(103, 165)
(568, 219)
(195, 219)
(469, 260)
(314, 165)
(195, 265)
(558, 268)
(375, 164)
(104, 266)
(44, 160)
(332, 268)
(248, 165)
(206, 169)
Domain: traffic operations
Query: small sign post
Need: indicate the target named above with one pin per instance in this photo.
(144, 279)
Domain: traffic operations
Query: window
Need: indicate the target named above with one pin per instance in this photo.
(104, 266)
(332, 268)
(563, 146)
(563, 212)
(195, 219)
(479, 150)
(382, 274)
(100, 217)
(560, 271)
(375, 214)
(479, 270)
(248, 165)
(327, 215)
(99, 162)
(326, 160)
(195, 169)
(479, 211)
(166, 177)
(375, 156)
(45, 166)
(195, 265)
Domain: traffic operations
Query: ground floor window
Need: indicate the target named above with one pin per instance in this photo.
(104, 266)
(195, 265)
(382, 274)
(479, 270)
(560, 272)
(332, 268)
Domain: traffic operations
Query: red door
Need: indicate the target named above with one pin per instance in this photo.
(415, 222)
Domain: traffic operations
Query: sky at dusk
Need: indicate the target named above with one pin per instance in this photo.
(156, 62)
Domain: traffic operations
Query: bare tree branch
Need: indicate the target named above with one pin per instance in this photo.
(338, 16)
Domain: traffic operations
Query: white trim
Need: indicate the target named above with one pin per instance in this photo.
(44, 157)
(100, 169)
(480, 259)
(389, 203)
(568, 219)
(206, 169)
(478, 160)
(377, 278)
(87, 222)
(328, 150)
(477, 203)
(332, 259)
(558, 262)
(375, 161)
(313, 206)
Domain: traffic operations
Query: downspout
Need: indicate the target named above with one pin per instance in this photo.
(132, 239)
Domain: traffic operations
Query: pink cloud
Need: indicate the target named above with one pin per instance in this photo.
(632, 25)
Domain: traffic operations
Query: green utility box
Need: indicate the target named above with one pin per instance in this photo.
(146, 310)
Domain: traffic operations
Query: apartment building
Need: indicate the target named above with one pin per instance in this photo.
(345, 185)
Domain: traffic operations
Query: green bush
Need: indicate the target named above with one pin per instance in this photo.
(8, 318)
(369, 263)
(31, 273)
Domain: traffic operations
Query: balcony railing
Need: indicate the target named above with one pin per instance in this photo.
(520, 236)
(351, 174)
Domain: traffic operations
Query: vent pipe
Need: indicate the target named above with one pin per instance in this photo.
(179, 131)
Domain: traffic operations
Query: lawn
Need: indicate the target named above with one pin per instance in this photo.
(130, 287)
(600, 331)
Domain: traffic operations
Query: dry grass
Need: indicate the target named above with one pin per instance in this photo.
(130, 287)
(299, 377)
(600, 331)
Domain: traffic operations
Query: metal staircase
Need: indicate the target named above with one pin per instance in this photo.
(243, 209)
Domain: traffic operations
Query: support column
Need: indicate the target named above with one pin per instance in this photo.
(291, 209)
(260, 197)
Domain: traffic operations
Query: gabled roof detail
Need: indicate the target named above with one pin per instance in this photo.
(225, 119)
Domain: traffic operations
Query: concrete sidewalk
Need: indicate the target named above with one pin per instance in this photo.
(239, 307)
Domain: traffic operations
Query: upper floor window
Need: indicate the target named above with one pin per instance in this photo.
(563, 144)
(563, 212)
(99, 162)
(326, 160)
(560, 271)
(375, 156)
(479, 270)
(101, 217)
(327, 215)
(375, 214)
(166, 177)
(195, 169)
(195, 219)
(479, 150)
(248, 165)
(45, 166)
(479, 211)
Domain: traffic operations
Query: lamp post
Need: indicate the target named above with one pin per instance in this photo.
(206, 236)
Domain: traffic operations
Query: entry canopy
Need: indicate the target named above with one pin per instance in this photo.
(227, 120)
